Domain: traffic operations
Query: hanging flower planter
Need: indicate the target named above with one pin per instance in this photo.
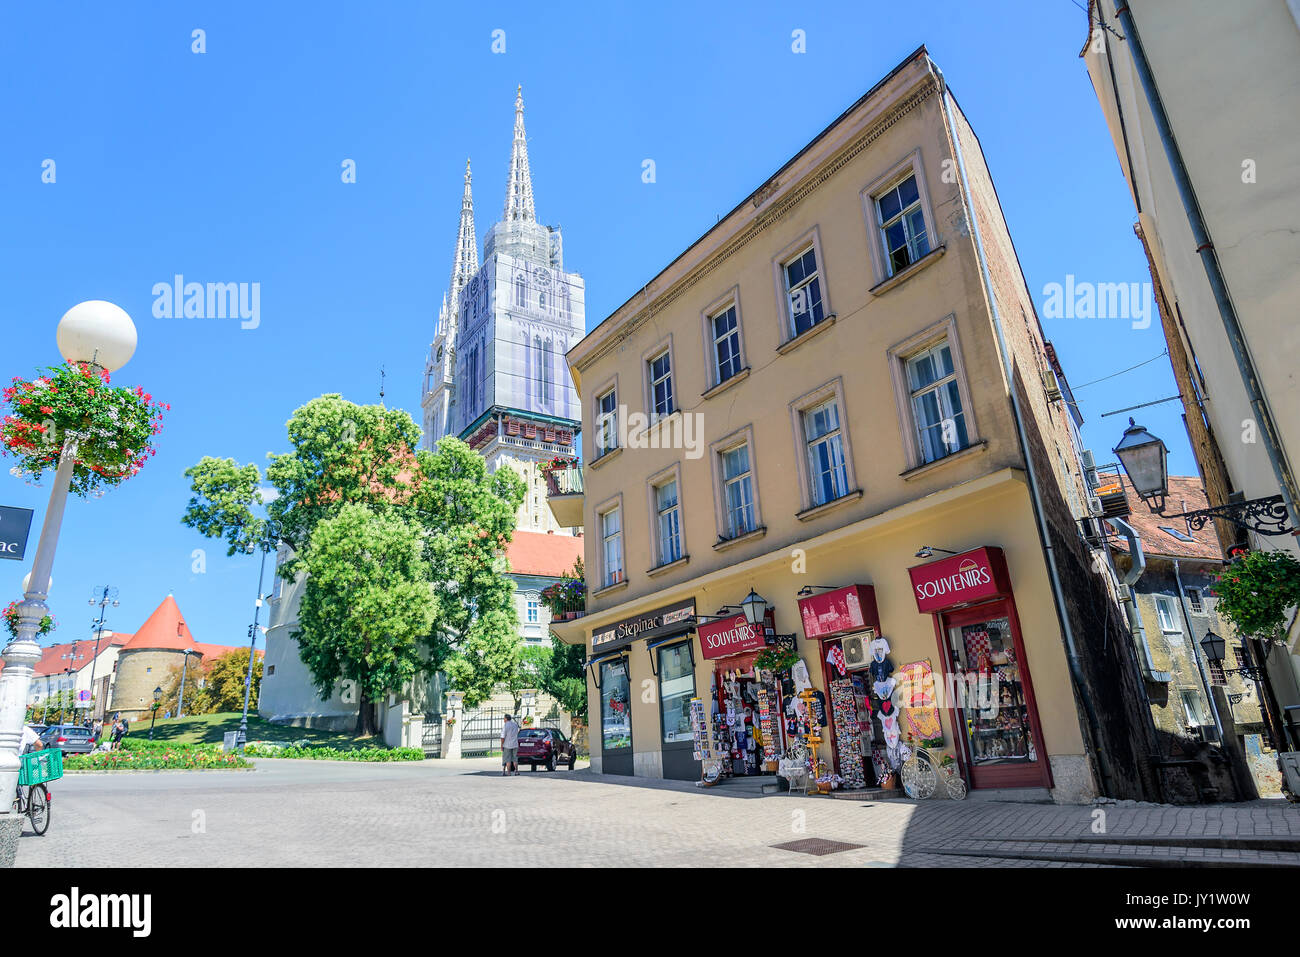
(114, 426)
(47, 625)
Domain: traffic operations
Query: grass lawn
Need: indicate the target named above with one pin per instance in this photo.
(210, 728)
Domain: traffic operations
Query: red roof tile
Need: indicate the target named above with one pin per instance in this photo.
(1186, 494)
(537, 553)
(165, 629)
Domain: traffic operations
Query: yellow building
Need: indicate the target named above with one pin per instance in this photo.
(826, 400)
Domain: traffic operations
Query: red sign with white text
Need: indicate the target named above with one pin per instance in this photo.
(838, 612)
(733, 635)
(960, 580)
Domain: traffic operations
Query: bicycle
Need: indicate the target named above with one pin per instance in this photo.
(34, 801)
(32, 796)
(920, 774)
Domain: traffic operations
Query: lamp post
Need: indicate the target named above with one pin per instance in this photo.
(108, 596)
(157, 700)
(103, 335)
(1145, 459)
(755, 607)
(269, 540)
(185, 664)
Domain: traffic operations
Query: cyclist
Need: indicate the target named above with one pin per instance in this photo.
(31, 741)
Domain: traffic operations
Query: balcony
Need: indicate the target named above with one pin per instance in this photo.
(564, 493)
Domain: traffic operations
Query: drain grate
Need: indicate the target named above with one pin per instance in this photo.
(818, 846)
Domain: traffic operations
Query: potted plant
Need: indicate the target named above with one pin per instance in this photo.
(47, 623)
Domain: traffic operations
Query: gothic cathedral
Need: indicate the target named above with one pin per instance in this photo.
(496, 376)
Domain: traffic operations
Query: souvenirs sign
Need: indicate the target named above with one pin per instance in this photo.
(960, 580)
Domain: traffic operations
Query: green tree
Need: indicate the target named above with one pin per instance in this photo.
(197, 700)
(470, 515)
(225, 680)
(565, 676)
(533, 663)
(349, 455)
(366, 607)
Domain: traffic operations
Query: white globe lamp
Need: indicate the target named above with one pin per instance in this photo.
(98, 332)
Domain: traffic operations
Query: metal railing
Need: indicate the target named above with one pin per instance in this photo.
(481, 731)
(431, 740)
(566, 481)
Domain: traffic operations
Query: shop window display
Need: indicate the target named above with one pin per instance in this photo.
(615, 714)
(676, 689)
(994, 709)
(745, 723)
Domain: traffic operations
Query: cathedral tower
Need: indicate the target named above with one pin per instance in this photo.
(496, 375)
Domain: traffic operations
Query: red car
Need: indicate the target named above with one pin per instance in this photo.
(547, 747)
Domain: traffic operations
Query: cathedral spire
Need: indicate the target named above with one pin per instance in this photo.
(466, 262)
(519, 186)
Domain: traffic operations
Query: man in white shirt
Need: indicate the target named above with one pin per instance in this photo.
(30, 741)
(510, 746)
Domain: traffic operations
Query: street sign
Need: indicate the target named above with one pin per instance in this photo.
(83, 696)
(15, 523)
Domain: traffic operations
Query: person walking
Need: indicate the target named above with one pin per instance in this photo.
(510, 746)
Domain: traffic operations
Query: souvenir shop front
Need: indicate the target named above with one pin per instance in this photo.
(667, 633)
(989, 694)
(843, 630)
(746, 701)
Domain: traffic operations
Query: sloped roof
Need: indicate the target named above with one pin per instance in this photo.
(53, 660)
(537, 553)
(1186, 494)
(164, 629)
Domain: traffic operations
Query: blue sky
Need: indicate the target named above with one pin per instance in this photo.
(225, 167)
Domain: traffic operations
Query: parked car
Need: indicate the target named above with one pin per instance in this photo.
(547, 747)
(69, 738)
(39, 729)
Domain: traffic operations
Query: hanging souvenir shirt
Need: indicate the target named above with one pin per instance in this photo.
(835, 657)
(799, 674)
(888, 716)
(884, 689)
(819, 708)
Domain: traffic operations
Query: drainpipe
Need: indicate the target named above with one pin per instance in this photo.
(1205, 249)
(1044, 534)
(1196, 654)
(1128, 595)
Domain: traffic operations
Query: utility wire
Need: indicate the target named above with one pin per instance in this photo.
(1075, 388)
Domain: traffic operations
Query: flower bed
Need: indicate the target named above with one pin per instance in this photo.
(267, 749)
(144, 745)
(153, 760)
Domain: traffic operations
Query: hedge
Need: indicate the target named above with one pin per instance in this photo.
(152, 760)
(265, 749)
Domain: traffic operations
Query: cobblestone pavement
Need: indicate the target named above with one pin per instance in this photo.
(339, 814)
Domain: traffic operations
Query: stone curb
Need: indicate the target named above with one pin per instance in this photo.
(146, 770)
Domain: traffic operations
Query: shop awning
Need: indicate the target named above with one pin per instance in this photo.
(601, 659)
(653, 643)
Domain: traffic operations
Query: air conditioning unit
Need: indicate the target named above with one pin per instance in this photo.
(1094, 505)
(855, 653)
(1052, 386)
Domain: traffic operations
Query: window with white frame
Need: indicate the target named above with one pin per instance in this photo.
(1165, 612)
(668, 522)
(1194, 708)
(725, 330)
(533, 609)
(611, 536)
(935, 395)
(827, 474)
(661, 384)
(607, 421)
(803, 289)
(1194, 600)
(737, 491)
(902, 224)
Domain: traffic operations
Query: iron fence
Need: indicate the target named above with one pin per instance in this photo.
(432, 739)
(481, 731)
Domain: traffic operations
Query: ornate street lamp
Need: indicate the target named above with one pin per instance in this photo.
(754, 606)
(103, 335)
(1145, 459)
(157, 700)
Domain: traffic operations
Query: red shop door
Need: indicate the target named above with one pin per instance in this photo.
(991, 698)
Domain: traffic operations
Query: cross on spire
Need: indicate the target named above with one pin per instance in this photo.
(519, 185)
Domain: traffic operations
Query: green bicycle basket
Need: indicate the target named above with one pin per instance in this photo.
(41, 766)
